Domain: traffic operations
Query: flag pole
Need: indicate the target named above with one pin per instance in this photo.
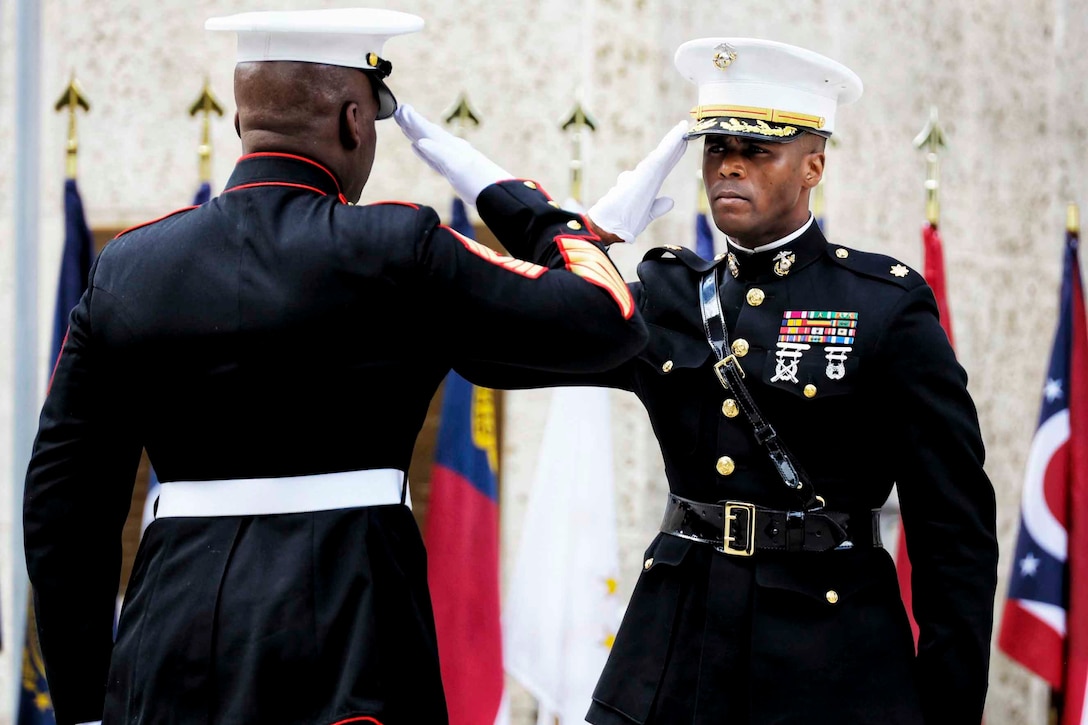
(205, 105)
(580, 120)
(72, 99)
(931, 138)
(25, 402)
(1072, 218)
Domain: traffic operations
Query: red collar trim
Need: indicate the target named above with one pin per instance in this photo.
(280, 155)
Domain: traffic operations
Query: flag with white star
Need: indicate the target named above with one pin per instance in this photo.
(1045, 622)
(563, 604)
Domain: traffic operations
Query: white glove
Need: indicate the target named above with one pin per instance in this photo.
(467, 170)
(633, 203)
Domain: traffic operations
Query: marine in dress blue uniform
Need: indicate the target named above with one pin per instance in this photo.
(289, 343)
(767, 597)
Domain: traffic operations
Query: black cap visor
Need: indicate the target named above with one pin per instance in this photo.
(387, 102)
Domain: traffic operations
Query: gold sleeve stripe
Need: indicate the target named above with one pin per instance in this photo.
(773, 115)
(587, 261)
(517, 266)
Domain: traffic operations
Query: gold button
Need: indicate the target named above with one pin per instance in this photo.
(756, 296)
(725, 465)
(730, 409)
(740, 347)
(648, 563)
(810, 391)
(574, 225)
(832, 596)
(530, 184)
(553, 202)
(842, 253)
(666, 366)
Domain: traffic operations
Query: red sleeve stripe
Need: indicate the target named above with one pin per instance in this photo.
(158, 219)
(56, 364)
(517, 266)
(397, 203)
(587, 261)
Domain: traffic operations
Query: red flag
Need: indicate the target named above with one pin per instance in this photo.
(462, 537)
(933, 271)
(1045, 623)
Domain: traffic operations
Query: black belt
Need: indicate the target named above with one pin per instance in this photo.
(741, 529)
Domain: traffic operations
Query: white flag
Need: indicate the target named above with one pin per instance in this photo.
(562, 608)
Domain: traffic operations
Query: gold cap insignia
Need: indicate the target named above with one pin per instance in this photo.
(900, 270)
(724, 55)
(783, 261)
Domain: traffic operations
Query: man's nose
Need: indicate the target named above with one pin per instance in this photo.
(732, 166)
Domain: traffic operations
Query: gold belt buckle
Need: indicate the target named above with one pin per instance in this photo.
(732, 510)
(722, 363)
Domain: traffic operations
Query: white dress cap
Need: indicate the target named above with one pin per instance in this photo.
(349, 37)
(764, 89)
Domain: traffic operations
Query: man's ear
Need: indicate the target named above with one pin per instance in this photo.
(237, 125)
(814, 168)
(350, 138)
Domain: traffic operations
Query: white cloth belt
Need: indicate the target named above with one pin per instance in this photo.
(287, 495)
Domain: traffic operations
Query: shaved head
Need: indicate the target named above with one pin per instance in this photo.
(323, 112)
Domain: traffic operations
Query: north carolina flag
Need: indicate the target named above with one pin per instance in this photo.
(462, 537)
(1045, 623)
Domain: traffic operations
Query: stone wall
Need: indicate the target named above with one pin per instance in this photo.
(1006, 76)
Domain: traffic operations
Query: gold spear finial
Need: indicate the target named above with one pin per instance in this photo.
(461, 115)
(580, 120)
(702, 205)
(206, 104)
(72, 99)
(1072, 218)
(932, 140)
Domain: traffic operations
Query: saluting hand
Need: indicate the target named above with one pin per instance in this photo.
(629, 206)
(467, 170)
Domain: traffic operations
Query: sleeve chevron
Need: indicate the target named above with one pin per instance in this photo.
(586, 260)
(517, 266)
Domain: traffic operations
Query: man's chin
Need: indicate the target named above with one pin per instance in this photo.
(734, 226)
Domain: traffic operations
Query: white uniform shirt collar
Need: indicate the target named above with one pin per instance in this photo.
(775, 244)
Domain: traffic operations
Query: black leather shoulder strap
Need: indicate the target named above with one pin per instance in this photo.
(731, 376)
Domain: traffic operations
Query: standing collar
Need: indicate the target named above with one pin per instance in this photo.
(778, 259)
(775, 244)
(268, 168)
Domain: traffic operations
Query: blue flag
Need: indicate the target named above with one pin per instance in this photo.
(35, 705)
(704, 239)
(459, 219)
(75, 264)
(203, 194)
